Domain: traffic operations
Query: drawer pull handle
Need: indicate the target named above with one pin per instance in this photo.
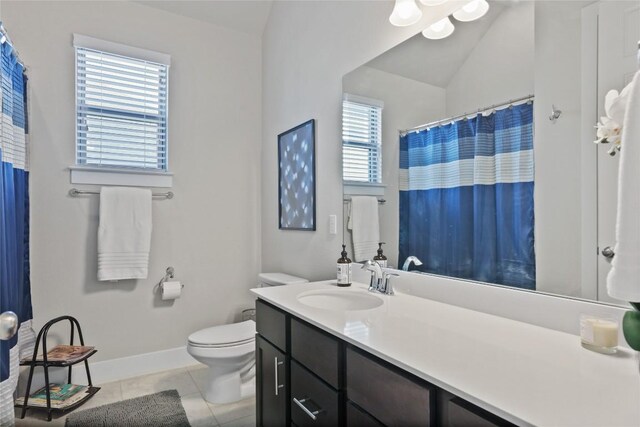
(301, 402)
(276, 363)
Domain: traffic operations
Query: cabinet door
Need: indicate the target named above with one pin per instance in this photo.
(271, 382)
(391, 396)
(456, 412)
(313, 403)
(356, 417)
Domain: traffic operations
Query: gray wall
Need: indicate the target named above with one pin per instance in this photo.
(210, 231)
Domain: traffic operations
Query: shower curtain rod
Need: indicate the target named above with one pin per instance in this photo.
(454, 118)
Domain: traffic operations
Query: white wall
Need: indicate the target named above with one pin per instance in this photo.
(558, 146)
(501, 65)
(209, 232)
(407, 103)
(307, 48)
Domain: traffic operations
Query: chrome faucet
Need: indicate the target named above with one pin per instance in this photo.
(376, 274)
(380, 280)
(411, 259)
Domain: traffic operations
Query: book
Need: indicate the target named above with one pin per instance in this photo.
(61, 395)
(65, 353)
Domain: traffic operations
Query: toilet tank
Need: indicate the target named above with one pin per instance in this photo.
(278, 279)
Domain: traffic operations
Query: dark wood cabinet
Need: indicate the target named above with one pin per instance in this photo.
(456, 412)
(314, 403)
(272, 395)
(308, 377)
(390, 395)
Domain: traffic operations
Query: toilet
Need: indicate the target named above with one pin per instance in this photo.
(229, 351)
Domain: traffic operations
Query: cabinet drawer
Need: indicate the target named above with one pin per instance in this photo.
(316, 350)
(391, 397)
(356, 417)
(271, 323)
(456, 412)
(311, 398)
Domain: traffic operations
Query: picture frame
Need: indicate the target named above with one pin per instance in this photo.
(297, 178)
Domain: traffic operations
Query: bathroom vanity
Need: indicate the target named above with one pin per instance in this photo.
(347, 357)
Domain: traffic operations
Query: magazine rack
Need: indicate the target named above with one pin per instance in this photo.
(46, 364)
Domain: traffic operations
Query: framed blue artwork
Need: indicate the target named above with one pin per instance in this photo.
(297, 177)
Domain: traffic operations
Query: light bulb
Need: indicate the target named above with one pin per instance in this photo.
(439, 30)
(471, 11)
(432, 2)
(405, 12)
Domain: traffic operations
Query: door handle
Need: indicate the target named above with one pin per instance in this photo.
(276, 363)
(311, 414)
(8, 325)
(608, 252)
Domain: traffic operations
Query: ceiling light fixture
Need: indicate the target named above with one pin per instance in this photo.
(439, 30)
(405, 12)
(471, 11)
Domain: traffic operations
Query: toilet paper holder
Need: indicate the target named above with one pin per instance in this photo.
(168, 275)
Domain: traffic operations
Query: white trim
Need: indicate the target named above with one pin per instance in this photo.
(87, 42)
(357, 99)
(588, 153)
(120, 176)
(353, 188)
(133, 366)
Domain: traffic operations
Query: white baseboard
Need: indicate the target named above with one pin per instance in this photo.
(133, 366)
(112, 370)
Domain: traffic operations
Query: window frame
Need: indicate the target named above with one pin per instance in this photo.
(364, 187)
(87, 173)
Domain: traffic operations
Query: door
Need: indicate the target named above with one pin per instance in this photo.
(618, 36)
(271, 383)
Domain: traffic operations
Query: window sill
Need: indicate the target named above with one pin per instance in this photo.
(115, 176)
(351, 188)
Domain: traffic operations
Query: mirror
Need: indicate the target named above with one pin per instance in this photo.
(480, 147)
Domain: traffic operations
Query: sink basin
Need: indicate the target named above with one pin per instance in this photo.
(340, 300)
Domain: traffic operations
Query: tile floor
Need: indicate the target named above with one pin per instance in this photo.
(188, 382)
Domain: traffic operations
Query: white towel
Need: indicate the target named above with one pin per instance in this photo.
(124, 234)
(365, 227)
(623, 281)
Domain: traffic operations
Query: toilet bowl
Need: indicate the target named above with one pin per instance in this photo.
(229, 352)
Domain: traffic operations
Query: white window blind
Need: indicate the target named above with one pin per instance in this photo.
(361, 138)
(121, 111)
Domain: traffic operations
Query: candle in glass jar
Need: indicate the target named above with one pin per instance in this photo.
(599, 334)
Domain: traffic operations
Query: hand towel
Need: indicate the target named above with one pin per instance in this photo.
(623, 281)
(365, 227)
(124, 234)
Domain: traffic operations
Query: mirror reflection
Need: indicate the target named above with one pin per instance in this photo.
(474, 153)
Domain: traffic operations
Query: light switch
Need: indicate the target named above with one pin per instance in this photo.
(333, 224)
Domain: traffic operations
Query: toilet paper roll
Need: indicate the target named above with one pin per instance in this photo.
(171, 290)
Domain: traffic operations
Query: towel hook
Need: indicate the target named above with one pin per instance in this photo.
(555, 113)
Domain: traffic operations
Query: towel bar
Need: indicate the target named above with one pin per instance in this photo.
(74, 192)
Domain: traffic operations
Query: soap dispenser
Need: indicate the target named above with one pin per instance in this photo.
(344, 268)
(381, 258)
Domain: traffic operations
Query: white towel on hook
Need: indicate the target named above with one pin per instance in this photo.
(623, 281)
(124, 234)
(365, 227)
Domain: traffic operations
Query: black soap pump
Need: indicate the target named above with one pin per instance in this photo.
(381, 258)
(344, 268)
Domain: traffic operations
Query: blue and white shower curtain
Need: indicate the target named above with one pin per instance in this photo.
(15, 293)
(466, 198)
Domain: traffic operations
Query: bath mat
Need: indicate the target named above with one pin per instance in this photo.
(153, 410)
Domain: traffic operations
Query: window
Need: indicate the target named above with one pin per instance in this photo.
(121, 106)
(361, 138)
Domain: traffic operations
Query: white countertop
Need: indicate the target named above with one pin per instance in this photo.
(526, 374)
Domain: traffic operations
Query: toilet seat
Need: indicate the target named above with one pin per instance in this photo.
(222, 336)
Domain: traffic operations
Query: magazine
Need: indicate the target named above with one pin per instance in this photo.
(65, 353)
(61, 395)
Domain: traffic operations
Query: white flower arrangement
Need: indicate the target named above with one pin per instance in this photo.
(610, 127)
